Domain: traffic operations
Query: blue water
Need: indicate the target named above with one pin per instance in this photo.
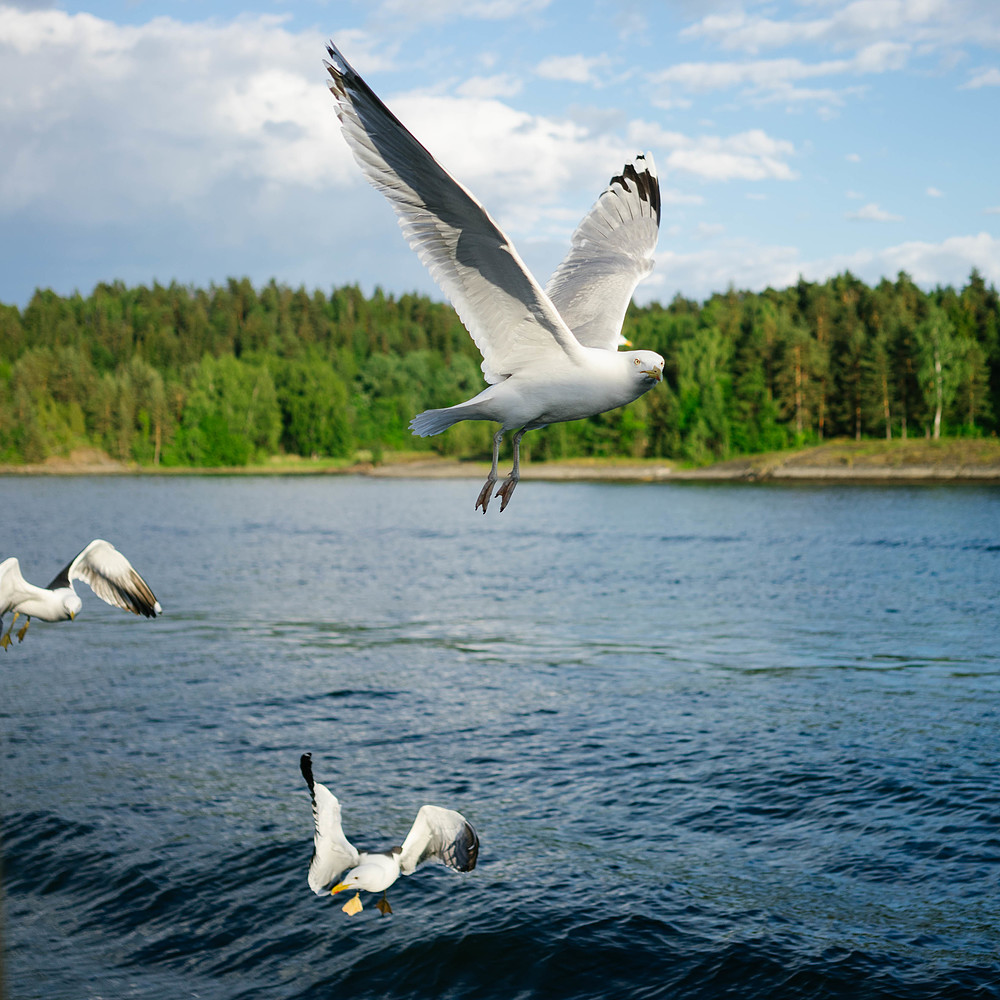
(717, 741)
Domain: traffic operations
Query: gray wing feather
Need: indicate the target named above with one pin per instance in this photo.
(442, 834)
(510, 318)
(333, 853)
(111, 576)
(610, 252)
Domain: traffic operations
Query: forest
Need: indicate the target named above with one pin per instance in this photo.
(229, 375)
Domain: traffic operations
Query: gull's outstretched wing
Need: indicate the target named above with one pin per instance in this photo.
(11, 584)
(443, 834)
(611, 251)
(332, 851)
(111, 576)
(511, 319)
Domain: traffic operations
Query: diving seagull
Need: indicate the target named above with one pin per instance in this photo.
(440, 834)
(109, 574)
(548, 355)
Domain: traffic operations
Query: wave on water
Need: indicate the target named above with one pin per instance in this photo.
(241, 925)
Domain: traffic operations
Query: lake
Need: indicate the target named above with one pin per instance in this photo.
(726, 740)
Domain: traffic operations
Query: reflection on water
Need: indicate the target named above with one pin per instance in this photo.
(716, 740)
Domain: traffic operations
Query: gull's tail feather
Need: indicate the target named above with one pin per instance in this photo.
(432, 422)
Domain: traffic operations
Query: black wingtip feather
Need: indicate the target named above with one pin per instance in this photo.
(472, 855)
(306, 766)
(464, 851)
(62, 579)
(646, 184)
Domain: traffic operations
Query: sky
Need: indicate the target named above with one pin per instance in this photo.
(171, 140)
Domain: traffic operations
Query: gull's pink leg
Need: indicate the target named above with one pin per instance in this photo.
(487, 490)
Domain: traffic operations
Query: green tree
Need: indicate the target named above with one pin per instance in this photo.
(315, 414)
(940, 369)
(230, 417)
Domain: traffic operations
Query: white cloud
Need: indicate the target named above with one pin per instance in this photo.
(752, 155)
(446, 10)
(110, 118)
(769, 80)
(933, 192)
(985, 77)
(931, 24)
(670, 196)
(546, 163)
(168, 137)
(738, 263)
(752, 266)
(200, 150)
(929, 264)
(486, 87)
(575, 69)
(873, 213)
(881, 57)
(669, 103)
(854, 195)
(112, 121)
(737, 31)
(764, 74)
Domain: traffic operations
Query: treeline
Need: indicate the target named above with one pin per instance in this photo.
(225, 376)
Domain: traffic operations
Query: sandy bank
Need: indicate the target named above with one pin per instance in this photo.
(833, 462)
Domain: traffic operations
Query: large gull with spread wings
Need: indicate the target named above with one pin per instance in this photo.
(437, 834)
(548, 354)
(100, 565)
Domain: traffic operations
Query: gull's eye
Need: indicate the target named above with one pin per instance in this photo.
(635, 360)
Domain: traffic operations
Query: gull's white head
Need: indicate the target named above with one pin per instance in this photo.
(352, 880)
(376, 873)
(647, 365)
(71, 604)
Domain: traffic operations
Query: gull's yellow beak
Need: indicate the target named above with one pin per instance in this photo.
(72, 616)
(339, 887)
(653, 373)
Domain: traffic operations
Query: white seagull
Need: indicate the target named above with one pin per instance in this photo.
(109, 574)
(442, 834)
(548, 355)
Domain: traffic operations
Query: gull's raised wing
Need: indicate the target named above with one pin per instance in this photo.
(111, 576)
(332, 851)
(442, 834)
(11, 584)
(611, 251)
(511, 319)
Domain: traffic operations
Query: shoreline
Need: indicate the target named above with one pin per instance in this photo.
(845, 462)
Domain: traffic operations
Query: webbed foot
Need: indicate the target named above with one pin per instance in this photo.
(21, 630)
(486, 493)
(383, 906)
(507, 489)
(5, 641)
(353, 905)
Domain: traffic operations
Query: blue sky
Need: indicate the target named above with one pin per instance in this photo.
(194, 141)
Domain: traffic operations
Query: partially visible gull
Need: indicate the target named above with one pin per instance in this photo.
(549, 355)
(441, 834)
(109, 574)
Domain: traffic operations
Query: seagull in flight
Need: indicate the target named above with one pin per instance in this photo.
(440, 834)
(548, 354)
(109, 574)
